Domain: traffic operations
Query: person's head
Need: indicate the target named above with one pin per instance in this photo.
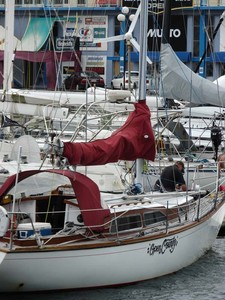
(180, 166)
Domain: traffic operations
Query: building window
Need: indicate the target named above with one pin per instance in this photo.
(58, 2)
(28, 2)
(196, 36)
(209, 36)
(209, 69)
(81, 2)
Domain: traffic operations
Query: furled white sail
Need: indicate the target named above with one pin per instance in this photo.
(181, 83)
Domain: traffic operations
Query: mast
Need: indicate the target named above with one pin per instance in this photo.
(142, 73)
(143, 50)
(166, 22)
(8, 51)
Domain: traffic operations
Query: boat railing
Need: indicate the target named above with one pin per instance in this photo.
(13, 230)
(89, 112)
(194, 210)
(135, 221)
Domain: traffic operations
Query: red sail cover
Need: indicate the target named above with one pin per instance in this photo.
(135, 139)
(86, 192)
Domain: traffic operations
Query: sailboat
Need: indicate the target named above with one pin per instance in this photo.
(59, 232)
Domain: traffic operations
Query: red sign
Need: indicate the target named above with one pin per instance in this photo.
(107, 2)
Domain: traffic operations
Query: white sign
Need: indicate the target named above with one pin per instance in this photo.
(88, 28)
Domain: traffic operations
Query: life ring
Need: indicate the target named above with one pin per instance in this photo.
(4, 221)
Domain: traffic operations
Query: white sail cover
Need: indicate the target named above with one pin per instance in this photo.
(181, 83)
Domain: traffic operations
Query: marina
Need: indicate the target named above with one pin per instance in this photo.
(83, 211)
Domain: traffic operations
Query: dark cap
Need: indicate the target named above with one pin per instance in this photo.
(180, 163)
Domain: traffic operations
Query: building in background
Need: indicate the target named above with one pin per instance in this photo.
(55, 37)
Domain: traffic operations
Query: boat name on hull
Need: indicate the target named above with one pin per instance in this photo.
(167, 244)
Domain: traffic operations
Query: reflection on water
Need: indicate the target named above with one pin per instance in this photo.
(204, 280)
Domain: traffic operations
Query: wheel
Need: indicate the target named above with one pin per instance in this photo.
(112, 86)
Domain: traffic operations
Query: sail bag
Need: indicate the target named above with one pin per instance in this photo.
(135, 139)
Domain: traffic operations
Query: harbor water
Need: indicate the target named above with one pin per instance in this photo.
(204, 280)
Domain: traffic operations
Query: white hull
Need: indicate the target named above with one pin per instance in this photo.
(34, 110)
(121, 264)
(66, 98)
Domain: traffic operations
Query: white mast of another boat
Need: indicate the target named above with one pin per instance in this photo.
(8, 51)
(142, 74)
(8, 75)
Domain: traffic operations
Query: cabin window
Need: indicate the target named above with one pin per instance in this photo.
(153, 217)
(126, 223)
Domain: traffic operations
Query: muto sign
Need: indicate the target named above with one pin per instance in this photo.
(177, 32)
(155, 17)
(178, 24)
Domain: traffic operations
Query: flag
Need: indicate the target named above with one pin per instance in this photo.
(7, 122)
